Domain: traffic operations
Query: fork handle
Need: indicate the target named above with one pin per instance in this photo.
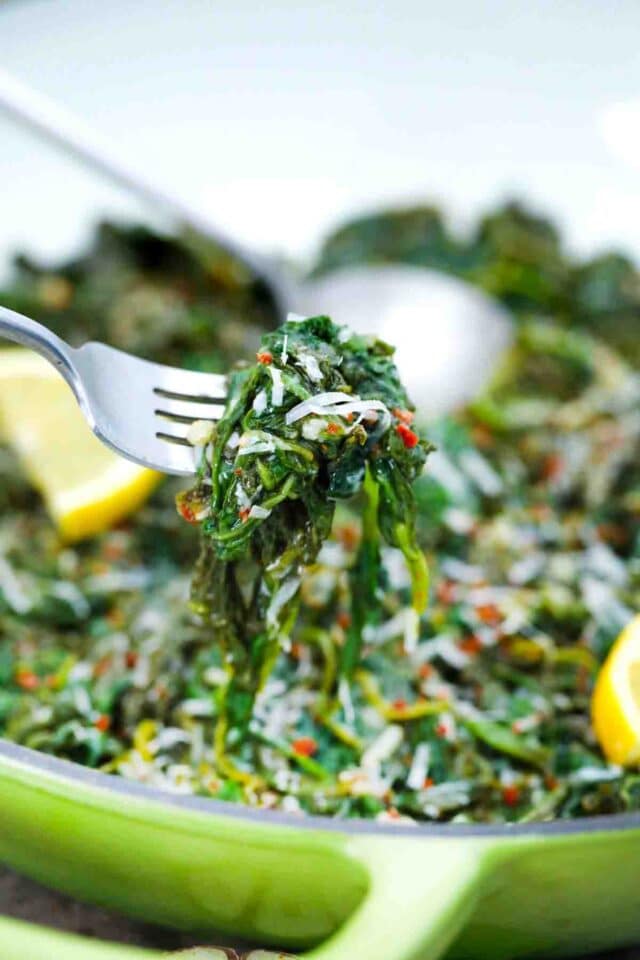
(20, 329)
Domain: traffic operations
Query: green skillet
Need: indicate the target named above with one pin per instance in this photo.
(344, 890)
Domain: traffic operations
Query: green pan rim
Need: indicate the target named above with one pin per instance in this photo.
(96, 780)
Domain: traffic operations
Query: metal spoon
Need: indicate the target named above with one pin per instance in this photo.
(449, 336)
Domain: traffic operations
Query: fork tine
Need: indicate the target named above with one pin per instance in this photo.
(193, 397)
(187, 410)
(189, 384)
(175, 417)
(173, 438)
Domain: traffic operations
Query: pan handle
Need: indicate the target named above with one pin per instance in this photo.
(421, 894)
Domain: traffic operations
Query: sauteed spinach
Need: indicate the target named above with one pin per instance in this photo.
(528, 512)
(320, 418)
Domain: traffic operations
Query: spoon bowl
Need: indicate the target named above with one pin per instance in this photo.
(448, 335)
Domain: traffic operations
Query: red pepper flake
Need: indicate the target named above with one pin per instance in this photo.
(489, 614)
(511, 795)
(550, 782)
(265, 357)
(425, 671)
(552, 467)
(238, 471)
(442, 730)
(243, 513)
(408, 437)
(482, 436)
(113, 551)
(27, 680)
(471, 644)
(400, 704)
(428, 782)
(334, 428)
(185, 509)
(348, 417)
(404, 416)
(541, 512)
(343, 619)
(392, 813)
(348, 535)
(131, 659)
(446, 592)
(296, 650)
(613, 533)
(304, 746)
(103, 723)
(101, 666)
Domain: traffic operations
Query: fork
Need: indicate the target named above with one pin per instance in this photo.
(142, 410)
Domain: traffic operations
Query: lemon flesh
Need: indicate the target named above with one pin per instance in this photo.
(615, 707)
(87, 488)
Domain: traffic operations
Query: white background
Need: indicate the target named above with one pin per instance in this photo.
(282, 118)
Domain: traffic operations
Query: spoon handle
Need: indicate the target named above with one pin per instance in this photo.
(58, 125)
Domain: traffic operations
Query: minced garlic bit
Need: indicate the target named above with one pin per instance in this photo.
(200, 433)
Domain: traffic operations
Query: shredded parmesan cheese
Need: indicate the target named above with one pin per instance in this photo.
(260, 402)
(310, 366)
(419, 767)
(277, 391)
(332, 404)
(258, 513)
(383, 746)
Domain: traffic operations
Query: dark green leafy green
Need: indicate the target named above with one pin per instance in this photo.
(320, 417)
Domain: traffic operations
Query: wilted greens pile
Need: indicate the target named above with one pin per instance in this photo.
(529, 514)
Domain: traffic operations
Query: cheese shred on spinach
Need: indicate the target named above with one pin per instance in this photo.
(321, 417)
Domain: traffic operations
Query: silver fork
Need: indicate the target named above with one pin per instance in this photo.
(141, 410)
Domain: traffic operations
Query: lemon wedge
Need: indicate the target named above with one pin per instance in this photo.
(86, 487)
(615, 707)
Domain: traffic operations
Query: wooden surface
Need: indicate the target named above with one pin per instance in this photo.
(29, 901)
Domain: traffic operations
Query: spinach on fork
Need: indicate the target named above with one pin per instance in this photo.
(321, 417)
